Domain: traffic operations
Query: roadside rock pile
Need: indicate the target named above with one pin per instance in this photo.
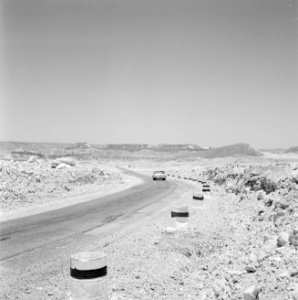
(267, 200)
(267, 177)
(24, 183)
(253, 254)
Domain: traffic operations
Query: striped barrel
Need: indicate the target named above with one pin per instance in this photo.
(198, 196)
(180, 214)
(206, 188)
(88, 272)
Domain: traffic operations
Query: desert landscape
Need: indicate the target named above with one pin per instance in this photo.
(148, 150)
(241, 242)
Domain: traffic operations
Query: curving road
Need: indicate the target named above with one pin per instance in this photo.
(24, 235)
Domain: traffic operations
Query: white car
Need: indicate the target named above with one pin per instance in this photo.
(159, 175)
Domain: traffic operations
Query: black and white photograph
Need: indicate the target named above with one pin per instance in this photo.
(148, 150)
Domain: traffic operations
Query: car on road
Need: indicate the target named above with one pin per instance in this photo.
(159, 175)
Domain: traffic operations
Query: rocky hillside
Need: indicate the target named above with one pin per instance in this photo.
(230, 150)
(292, 150)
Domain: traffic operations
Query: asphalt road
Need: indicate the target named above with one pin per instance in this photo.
(24, 235)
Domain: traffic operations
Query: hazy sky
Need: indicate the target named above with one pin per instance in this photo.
(211, 72)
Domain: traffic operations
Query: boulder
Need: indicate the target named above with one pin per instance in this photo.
(67, 160)
(282, 239)
(267, 249)
(62, 166)
(32, 159)
(251, 293)
(251, 263)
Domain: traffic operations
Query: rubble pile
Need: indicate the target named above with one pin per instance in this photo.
(265, 177)
(26, 183)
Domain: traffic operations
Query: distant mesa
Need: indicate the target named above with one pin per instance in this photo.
(178, 147)
(231, 150)
(82, 150)
(292, 150)
(159, 147)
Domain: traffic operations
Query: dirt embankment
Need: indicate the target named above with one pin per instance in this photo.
(38, 182)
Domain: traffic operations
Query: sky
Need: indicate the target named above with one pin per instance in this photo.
(210, 72)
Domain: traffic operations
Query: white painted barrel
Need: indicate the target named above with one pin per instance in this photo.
(198, 200)
(198, 196)
(206, 187)
(180, 216)
(88, 276)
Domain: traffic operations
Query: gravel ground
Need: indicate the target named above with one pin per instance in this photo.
(237, 245)
(218, 256)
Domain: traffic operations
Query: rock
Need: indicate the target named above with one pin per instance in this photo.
(170, 230)
(281, 204)
(275, 216)
(261, 213)
(66, 188)
(32, 159)
(54, 164)
(294, 176)
(269, 202)
(294, 273)
(219, 287)
(267, 249)
(284, 275)
(282, 239)
(251, 293)
(251, 263)
(293, 238)
(66, 160)
(62, 166)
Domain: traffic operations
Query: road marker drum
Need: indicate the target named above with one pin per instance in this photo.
(180, 216)
(206, 188)
(88, 272)
(198, 199)
(198, 196)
